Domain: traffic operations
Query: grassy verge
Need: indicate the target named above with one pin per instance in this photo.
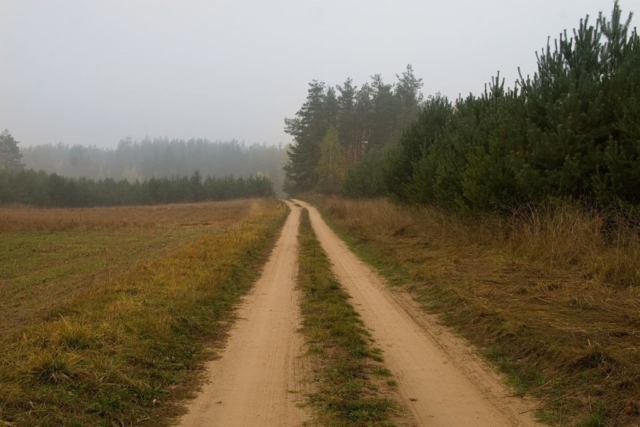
(350, 378)
(124, 353)
(552, 297)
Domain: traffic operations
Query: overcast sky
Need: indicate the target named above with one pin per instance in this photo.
(94, 72)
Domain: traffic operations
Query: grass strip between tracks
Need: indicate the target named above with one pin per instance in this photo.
(351, 381)
(127, 353)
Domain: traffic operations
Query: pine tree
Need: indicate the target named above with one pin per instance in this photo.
(384, 120)
(331, 107)
(332, 166)
(307, 128)
(9, 153)
(366, 120)
(347, 126)
(363, 118)
(414, 145)
(408, 97)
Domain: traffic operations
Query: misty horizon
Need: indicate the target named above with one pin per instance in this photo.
(94, 73)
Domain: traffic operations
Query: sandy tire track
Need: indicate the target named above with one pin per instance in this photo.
(249, 385)
(440, 378)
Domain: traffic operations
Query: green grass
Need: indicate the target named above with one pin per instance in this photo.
(521, 377)
(598, 417)
(32, 258)
(125, 353)
(347, 394)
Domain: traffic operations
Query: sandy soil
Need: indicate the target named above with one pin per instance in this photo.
(251, 384)
(440, 378)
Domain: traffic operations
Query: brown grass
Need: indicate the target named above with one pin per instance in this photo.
(137, 217)
(552, 295)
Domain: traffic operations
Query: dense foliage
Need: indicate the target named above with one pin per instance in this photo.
(159, 158)
(52, 190)
(570, 131)
(348, 121)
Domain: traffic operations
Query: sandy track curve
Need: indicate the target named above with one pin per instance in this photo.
(439, 377)
(249, 385)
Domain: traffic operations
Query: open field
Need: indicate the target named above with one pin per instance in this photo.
(49, 256)
(105, 312)
(551, 296)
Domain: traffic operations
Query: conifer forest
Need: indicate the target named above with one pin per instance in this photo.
(570, 131)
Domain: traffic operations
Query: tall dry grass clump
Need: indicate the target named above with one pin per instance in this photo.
(609, 246)
(552, 293)
(367, 214)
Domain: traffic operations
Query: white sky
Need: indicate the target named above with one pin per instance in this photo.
(96, 71)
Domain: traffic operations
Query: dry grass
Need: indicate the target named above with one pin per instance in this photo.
(552, 295)
(123, 353)
(29, 219)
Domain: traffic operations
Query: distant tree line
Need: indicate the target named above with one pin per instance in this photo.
(159, 158)
(571, 131)
(52, 190)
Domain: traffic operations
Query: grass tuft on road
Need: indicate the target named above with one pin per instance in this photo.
(348, 375)
(126, 352)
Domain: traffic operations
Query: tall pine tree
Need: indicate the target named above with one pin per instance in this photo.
(384, 118)
(9, 153)
(307, 128)
(347, 127)
(408, 97)
(332, 166)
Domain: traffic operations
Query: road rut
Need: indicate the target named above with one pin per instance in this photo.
(440, 378)
(250, 384)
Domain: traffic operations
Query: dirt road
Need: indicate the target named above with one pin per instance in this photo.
(439, 377)
(251, 384)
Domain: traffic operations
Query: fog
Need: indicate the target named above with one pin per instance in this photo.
(94, 72)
